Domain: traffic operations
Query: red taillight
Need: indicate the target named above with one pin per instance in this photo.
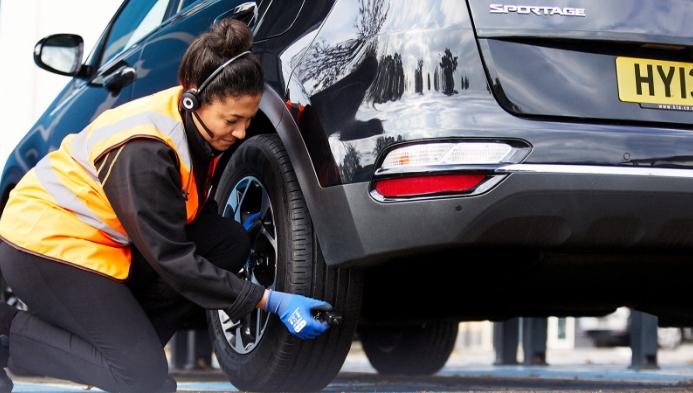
(426, 185)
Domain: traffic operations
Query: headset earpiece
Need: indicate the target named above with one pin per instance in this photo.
(189, 100)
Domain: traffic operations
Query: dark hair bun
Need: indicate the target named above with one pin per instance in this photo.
(225, 39)
(230, 37)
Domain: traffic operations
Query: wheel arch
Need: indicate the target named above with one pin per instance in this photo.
(277, 114)
(328, 207)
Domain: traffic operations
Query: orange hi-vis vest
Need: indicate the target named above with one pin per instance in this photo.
(59, 209)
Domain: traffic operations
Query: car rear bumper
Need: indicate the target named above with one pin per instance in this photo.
(534, 206)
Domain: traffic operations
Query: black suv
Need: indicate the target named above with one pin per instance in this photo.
(441, 160)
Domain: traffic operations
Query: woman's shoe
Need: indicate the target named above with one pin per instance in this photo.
(6, 384)
(168, 386)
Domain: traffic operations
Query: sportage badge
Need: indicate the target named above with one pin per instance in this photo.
(536, 10)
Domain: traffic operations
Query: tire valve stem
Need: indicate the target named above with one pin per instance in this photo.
(331, 318)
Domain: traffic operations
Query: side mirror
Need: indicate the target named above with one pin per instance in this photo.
(60, 53)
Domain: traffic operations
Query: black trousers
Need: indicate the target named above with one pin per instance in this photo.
(93, 330)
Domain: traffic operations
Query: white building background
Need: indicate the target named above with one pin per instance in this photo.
(26, 90)
(478, 336)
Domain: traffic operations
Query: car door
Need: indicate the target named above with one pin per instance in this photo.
(108, 76)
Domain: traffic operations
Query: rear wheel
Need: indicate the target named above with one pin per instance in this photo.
(420, 349)
(257, 352)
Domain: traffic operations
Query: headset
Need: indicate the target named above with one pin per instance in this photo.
(190, 100)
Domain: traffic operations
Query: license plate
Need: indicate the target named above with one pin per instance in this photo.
(655, 84)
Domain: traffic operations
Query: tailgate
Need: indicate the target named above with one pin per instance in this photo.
(625, 60)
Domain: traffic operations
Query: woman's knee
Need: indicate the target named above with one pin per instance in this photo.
(230, 246)
(219, 239)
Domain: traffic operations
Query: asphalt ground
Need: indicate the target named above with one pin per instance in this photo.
(578, 370)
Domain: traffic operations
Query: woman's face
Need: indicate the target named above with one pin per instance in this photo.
(227, 118)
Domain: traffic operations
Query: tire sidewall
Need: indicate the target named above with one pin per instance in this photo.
(254, 158)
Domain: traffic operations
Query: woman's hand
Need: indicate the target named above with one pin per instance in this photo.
(295, 312)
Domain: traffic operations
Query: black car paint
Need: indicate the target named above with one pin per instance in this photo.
(365, 91)
(568, 79)
(644, 21)
(568, 63)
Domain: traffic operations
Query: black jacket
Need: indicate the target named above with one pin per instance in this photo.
(142, 183)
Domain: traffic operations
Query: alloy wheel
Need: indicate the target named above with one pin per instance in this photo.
(249, 196)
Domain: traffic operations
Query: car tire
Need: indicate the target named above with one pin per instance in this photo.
(421, 349)
(279, 361)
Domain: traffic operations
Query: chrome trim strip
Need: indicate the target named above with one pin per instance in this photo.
(595, 170)
(435, 169)
(488, 185)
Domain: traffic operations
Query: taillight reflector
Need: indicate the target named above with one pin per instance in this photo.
(425, 185)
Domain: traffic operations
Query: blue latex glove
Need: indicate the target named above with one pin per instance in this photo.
(294, 312)
(251, 220)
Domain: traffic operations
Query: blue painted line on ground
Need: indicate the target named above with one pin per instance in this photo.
(59, 388)
(203, 386)
(49, 388)
(669, 375)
